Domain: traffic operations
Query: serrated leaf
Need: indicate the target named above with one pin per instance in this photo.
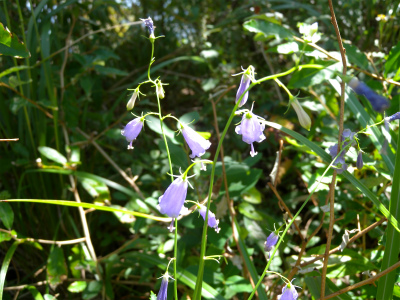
(10, 44)
(52, 154)
(6, 215)
(77, 286)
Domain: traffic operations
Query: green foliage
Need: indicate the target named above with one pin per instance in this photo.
(65, 98)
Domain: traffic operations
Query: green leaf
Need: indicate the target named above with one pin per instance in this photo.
(56, 267)
(110, 71)
(355, 56)
(250, 211)
(4, 236)
(327, 158)
(97, 189)
(49, 297)
(77, 286)
(286, 48)
(314, 286)
(13, 69)
(92, 290)
(52, 154)
(392, 249)
(393, 61)
(6, 215)
(10, 45)
(35, 293)
(268, 29)
(154, 124)
(252, 196)
(4, 266)
(309, 77)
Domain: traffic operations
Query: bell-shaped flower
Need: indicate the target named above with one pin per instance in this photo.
(360, 162)
(289, 292)
(378, 102)
(212, 221)
(132, 130)
(304, 118)
(247, 77)
(149, 24)
(271, 241)
(195, 141)
(171, 203)
(163, 292)
(251, 130)
(391, 118)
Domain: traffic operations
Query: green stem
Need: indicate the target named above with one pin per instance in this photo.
(292, 221)
(199, 280)
(170, 171)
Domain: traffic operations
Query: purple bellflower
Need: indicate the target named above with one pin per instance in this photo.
(195, 141)
(171, 203)
(163, 292)
(132, 130)
(334, 150)
(247, 77)
(251, 130)
(360, 162)
(271, 241)
(212, 221)
(391, 118)
(149, 24)
(378, 102)
(289, 292)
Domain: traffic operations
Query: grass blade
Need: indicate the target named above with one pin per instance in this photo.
(4, 266)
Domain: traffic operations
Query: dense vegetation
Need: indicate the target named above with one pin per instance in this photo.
(81, 217)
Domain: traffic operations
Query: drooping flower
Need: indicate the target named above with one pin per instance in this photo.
(348, 136)
(304, 118)
(149, 24)
(131, 102)
(195, 141)
(247, 77)
(289, 292)
(251, 130)
(378, 102)
(391, 118)
(171, 203)
(163, 292)
(360, 162)
(212, 221)
(132, 130)
(271, 241)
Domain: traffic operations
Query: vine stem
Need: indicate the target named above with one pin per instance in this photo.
(170, 169)
(199, 280)
(341, 121)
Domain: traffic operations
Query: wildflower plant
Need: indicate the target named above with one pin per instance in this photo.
(234, 206)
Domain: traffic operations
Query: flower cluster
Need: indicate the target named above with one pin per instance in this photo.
(349, 138)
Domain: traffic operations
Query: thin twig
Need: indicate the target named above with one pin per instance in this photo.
(27, 99)
(315, 46)
(364, 282)
(355, 237)
(286, 208)
(41, 241)
(279, 162)
(9, 140)
(231, 209)
(341, 121)
(131, 181)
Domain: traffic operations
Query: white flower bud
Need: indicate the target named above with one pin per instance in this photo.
(304, 119)
(131, 102)
(160, 91)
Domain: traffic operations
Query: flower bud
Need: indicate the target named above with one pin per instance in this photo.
(378, 102)
(131, 102)
(160, 90)
(304, 119)
(360, 162)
